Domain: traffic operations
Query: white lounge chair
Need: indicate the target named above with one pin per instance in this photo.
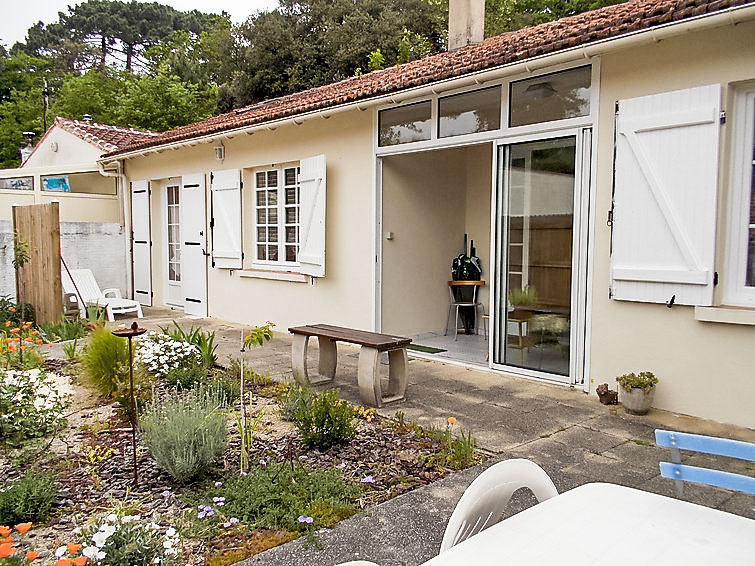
(484, 501)
(86, 288)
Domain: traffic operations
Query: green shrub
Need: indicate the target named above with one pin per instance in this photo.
(250, 374)
(105, 361)
(31, 405)
(184, 433)
(186, 377)
(63, 330)
(327, 422)
(204, 341)
(644, 380)
(297, 397)
(224, 387)
(27, 499)
(15, 312)
(276, 495)
(70, 350)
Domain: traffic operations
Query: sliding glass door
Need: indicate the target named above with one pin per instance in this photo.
(536, 240)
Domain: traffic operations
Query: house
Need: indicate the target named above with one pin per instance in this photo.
(63, 167)
(603, 160)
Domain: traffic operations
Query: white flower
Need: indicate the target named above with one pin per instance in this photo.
(60, 552)
(90, 552)
(156, 560)
(170, 532)
(168, 544)
(101, 555)
(111, 518)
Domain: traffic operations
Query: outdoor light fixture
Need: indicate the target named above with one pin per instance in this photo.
(541, 90)
(220, 151)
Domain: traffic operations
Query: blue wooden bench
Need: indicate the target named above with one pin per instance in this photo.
(680, 473)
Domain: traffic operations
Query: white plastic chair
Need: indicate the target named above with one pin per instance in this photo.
(86, 288)
(484, 501)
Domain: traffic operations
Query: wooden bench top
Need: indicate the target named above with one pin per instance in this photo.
(381, 342)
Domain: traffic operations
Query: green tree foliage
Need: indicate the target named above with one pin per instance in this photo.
(92, 93)
(20, 103)
(162, 102)
(508, 15)
(307, 43)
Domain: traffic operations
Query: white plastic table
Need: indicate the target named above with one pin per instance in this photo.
(601, 523)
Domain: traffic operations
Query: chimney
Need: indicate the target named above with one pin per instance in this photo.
(466, 23)
(28, 148)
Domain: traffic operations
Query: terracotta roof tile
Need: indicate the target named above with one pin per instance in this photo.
(543, 39)
(107, 138)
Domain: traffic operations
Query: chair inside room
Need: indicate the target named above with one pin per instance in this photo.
(460, 299)
(485, 500)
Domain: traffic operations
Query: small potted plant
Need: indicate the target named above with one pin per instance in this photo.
(637, 390)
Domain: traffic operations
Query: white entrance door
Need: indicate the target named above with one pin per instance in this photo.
(172, 256)
(141, 242)
(194, 244)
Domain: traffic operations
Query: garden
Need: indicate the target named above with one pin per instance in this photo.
(189, 459)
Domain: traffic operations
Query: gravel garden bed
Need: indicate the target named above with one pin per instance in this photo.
(223, 513)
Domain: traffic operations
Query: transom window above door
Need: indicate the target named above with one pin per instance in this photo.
(276, 215)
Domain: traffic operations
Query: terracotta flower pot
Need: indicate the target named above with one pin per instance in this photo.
(636, 401)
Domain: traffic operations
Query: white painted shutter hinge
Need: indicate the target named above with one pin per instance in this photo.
(715, 278)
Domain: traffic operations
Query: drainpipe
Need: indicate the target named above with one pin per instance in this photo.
(124, 216)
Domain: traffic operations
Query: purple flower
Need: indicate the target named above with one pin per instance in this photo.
(368, 479)
(166, 493)
(262, 462)
(220, 503)
(201, 515)
(233, 520)
(218, 483)
(303, 519)
(210, 513)
(243, 473)
(218, 499)
(227, 524)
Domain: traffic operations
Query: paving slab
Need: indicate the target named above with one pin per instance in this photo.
(570, 434)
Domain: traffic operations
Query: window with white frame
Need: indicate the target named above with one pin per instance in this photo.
(740, 261)
(276, 215)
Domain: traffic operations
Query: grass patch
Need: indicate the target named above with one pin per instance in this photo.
(642, 442)
(28, 499)
(425, 349)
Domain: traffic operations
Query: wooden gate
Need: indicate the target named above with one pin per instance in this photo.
(38, 281)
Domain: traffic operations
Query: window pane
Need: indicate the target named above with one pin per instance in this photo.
(88, 183)
(272, 234)
(471, 112)
(550, 97)
(260, 198)
(261, 235)
(17, 183)
(291, 234)
(291, 216)
(272, 178)
(261, 179)
(272, 216)
(290, 174)
(261, 252)
(261, 216)
(750, 275)
(406, 124)
(290, 196)
(272, 197)
(272, 253)
(290, 253)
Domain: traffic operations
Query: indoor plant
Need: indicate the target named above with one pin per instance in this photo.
(525, 297)
(637, 391)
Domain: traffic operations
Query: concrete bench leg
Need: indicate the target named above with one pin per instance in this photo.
(396, 375)
(368, 378)
(327, 365)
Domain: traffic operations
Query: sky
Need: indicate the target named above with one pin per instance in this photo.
(19, 15)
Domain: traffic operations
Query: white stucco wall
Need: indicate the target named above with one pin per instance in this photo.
(70, 149)
(705, 369)
(344, 295)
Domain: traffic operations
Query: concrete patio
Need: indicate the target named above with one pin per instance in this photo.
(571, 435)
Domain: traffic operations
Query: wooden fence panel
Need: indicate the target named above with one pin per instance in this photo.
(38, 282)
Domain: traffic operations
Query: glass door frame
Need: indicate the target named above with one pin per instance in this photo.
(580, 233)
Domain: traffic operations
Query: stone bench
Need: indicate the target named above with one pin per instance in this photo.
(372, 345)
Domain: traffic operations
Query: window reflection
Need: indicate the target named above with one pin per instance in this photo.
(470, 112)
(556, 96)
(405, 124)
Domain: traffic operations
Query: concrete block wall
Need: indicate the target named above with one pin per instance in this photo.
(99, 246)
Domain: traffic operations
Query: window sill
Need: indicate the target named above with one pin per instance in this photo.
(726, 315)
(273, 275)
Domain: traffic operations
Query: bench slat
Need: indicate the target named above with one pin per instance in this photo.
(381, 342)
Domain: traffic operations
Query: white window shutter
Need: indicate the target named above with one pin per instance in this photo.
(665, 185)
(226, 218)
(141, 242)
(193, 244)
(312, 216)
